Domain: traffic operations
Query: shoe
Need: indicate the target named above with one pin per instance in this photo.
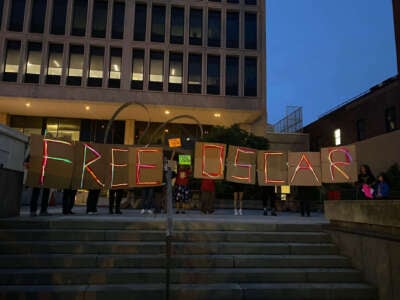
(273, 214)
(236, 212)
(265, 213)
(44, 213)
(183, 212)
(118, 212)
(177, 212)
(71, 213)
(142, 211)
(111, 212)
(33, 214)
(240, 212)
(92, 213)
(149, 211)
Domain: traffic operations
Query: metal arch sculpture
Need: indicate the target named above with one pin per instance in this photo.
(121, 108)
(173, 119)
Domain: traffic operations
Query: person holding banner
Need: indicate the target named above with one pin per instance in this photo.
(268, 198)
(68, 201)
(207, 196)
(115, 197)
(92, 199)
(182, 192)
(238, 191)
(366, 181)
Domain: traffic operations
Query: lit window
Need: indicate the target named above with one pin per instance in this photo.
(33, 63)
(115, 67)
(11, 65)
(54, 65)
(337, 136)
(137, 69)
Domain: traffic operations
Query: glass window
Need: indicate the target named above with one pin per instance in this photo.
(16, 18)
(75, 68)
(250, 31)
(33, 62)
(79, 18)
(158, 23)
(115, 68)
(177, 25)
(233, 1)
(54, 64)
(337, 135)
(96, 66)
(390, 119)
(137, 69)
(118, 20)
(232, 76)
(11, 64)
(196, 27)
(38, 16)
(194, 73)
(232, 30)
(64, 128)
(175, 72)
(99, 20)
(214, 28)
(251, 2)
(156, 71)
(59, 16)
(213, 74)
(27, 125)
(250, 76)
(139, 33)
(361, 129)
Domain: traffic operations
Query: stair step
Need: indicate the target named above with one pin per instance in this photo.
(231, 291)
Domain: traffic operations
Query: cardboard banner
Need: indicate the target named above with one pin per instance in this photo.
(241, 165)
(209, 160)
(50, 163)
(304, 168)
(272, 168)
(339, 164)
(117, 167)
(90, 165)
(146, 166)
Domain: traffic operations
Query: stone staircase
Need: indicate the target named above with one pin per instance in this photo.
(46, 258)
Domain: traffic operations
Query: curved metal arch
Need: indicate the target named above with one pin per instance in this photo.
(173, 119)
(121, 108)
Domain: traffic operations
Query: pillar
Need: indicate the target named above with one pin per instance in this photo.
(129, 138)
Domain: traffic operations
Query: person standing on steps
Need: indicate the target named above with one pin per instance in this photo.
(147, 200)
(68, 201)
(92, 199)
(115, 197)
(182, 192)
(238, 192)
(268, 198)
(207, 190)
(365, 183)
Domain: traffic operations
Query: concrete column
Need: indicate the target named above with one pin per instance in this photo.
(129, 138)
(3, 118)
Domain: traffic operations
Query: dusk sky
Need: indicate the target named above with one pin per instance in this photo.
(321, 53)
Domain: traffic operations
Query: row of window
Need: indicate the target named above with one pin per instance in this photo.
(158, 22)
(96, 69)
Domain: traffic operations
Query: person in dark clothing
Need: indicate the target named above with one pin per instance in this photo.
(268, 198)
(207, 196)
(147, 198)
(115, 197)
(68, 201)
(92, 199)
(365, 180)
(382, 188)
(305, 201)
(44, 201)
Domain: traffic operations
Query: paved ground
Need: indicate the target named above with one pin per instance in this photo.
(221, 215)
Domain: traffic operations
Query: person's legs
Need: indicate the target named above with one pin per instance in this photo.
(240, 203)
(34, 199)
(203, 200)
(118, 199)
(210, 206)
(45, 201)
(235, 199)
(308, 207)
(65, 201)
(111, 200)
(72, 201)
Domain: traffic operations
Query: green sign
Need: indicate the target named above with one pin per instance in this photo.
(185, 159)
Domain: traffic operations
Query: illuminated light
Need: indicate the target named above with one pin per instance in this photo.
(46, 157)
(221, 150)
(173, 71)
(188, 139)
(116, 68)
(166, 130)
(266, 178)
(114, 165)
(87, 107)
(334, 165)
(248, 166)
(28, 104)
(167, 112)
(29, 64)
(56, 63)
(86, 166)
(140, 165)
(307, 167)
(217, 115)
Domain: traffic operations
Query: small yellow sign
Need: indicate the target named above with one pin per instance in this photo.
(285, 189)
(175, 143)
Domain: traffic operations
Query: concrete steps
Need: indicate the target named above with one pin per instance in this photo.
(50, 258)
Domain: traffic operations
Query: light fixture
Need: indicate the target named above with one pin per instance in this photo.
(166, 130)
(56, 63)
(28, 104)
(167, 112)
(217, 115)
(87, 107)
(116, 67)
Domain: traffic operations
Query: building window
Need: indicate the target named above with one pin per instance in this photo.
(54, 64)
(390, 119)
(118, 20)
(214, 28)
(16, 18)
(232, 1)
(38, 16)
(156, 71)
(232, 76)
(250, 76)
(177, 25)
(175, 72)
(137, 69)
(158, 23)
(115, 68)
(1, 10)
(79, 18)
(250, 31)
(139, 33)
(59, 16)
(232, 35)
(251, 2)
(11, 65)
(196, 27)
(361, 129)
(337, 137)
(33, 63)
(213, 74)
(194, 73)
(99, 20)
(64, 128)
(75, 68)
(96, 66)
